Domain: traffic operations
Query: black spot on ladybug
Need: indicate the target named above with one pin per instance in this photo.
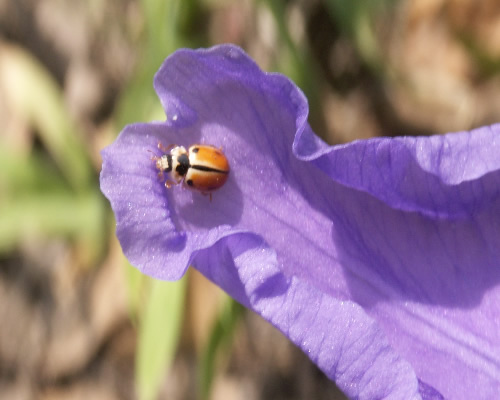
(189, 182)
(169, 160)
(183, 166)
(208, 169)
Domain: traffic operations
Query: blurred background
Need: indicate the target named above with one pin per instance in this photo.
(78, 322)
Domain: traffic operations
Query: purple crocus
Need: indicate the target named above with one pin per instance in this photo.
(380, 258)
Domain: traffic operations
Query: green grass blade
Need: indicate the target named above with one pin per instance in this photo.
(33, 93)
(136, 282)
(357, 20)
(31, 174)
(35, 215)
(139, 101)
(159, 332)
(219, 340)
(297, 63)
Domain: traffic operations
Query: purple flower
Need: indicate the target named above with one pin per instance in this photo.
(380, 259)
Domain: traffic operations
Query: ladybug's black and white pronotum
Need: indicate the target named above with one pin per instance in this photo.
(202, 167)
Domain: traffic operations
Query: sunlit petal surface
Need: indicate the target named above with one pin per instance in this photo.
(379, 258)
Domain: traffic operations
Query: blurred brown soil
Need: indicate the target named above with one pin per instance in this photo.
(64, 332)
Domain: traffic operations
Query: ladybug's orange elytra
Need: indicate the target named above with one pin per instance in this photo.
(202, 167)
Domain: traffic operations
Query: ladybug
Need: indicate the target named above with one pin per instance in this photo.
(202, 167)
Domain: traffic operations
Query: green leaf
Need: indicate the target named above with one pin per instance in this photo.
(296, 61)
(28, 175)
(159, 332)
(34, 94)
(53, 214)
(357, 19)
(139, 101)
(136, 281)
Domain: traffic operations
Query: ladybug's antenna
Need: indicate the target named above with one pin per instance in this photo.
(154, 157)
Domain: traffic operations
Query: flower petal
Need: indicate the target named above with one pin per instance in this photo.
(365, 255)
(150, 233)
(437, 176)
(361, 362)
(144, 226)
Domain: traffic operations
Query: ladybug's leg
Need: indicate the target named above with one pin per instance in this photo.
(155, 158)
(209, 194)
(169, 184)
